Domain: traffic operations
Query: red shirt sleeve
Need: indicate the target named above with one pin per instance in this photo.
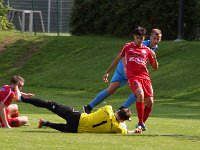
(122, 53)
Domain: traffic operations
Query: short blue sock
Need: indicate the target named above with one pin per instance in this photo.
(131, 99)
(99, 98)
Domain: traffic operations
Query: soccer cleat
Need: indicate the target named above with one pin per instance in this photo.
(41, 123)
(141, 126)
(86, 109)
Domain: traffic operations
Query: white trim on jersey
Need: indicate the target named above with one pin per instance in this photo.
(7, 96)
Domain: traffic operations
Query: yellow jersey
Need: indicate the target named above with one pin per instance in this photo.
(101, 121)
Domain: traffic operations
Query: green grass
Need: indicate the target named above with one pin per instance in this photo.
(69, 70)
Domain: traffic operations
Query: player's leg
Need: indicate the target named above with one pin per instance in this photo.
(131, 99)
(105, 93)
(140, 104)
(57, 126)
(17, 121)
(71, 126)
(118, 80)
(101, 96)
(59, 109)
(13, 110)
(136, 87)
(148, 107)
(148, 93)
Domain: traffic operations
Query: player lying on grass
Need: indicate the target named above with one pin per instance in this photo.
(119, 78)
(104, 120)
(9, 114)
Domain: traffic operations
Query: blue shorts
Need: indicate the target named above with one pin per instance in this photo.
(119, 77)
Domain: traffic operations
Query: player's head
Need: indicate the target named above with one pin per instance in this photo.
(123, 114)
(139, 35)
(17, 80)
(155, 37)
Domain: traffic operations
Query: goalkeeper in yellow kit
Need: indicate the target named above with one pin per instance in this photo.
(104, 120)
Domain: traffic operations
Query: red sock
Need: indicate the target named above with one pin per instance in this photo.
(15, 115)
(140, 111)
(13, 122)
(147, 111)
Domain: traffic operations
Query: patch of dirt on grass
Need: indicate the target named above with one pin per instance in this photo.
(27, 55)
(7, 41)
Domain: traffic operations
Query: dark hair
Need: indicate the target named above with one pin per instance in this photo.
(16, 79)
(124, 114)
(140, 31)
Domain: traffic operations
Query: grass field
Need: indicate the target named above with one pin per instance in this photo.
(69, 70)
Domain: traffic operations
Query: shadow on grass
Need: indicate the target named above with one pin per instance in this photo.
(42, 131)
(177, 136)
(176, 108)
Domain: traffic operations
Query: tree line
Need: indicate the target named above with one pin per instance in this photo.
(120, 17)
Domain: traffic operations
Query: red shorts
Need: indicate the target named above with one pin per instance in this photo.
(13, 122)
(146, 85)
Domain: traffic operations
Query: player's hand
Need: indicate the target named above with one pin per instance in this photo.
(7, 126)
(153, 54)
(28, 95)
(138, 131)
(105, 77)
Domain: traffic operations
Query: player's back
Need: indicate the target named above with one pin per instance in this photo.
(6, 94)
(101, 121)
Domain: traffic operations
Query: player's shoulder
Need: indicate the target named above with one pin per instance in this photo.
(107, 107)
(128, 44)
(145, 47)
(146, 42)
(5, 87)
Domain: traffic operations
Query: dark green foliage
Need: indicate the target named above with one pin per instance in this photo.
(119, 17)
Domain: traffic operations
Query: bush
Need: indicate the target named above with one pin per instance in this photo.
(119, 17)
(4, 23)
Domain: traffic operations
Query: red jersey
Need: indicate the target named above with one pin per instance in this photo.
(6, 95)
(136, 60)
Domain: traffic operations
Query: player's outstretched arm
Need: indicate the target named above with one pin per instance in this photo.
(134, 131)
(27, 95)
(111, 67)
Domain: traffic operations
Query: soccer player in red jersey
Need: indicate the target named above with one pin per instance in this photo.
(136, 56)
(9, 115)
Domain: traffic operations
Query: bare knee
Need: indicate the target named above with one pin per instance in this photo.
(139, 94)
(13, 109)
(140, 97)
(113, 87)
(23, 120)
(149, 102)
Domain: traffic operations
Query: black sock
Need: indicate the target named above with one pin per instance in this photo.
(57, 126)
(89, 107)
(121, 107)
(36, 102)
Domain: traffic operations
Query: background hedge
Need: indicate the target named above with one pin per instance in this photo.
(119, 17)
